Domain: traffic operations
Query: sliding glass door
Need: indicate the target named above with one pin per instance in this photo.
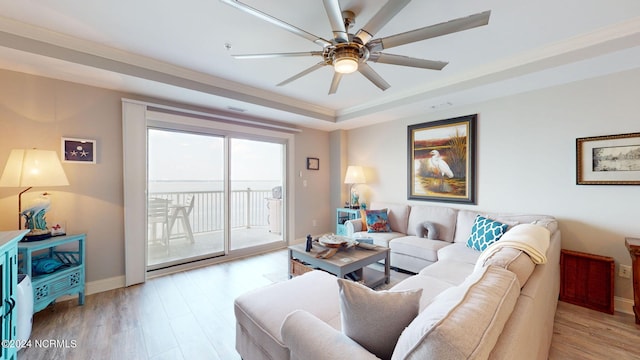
(209, 195)
(256, 174)
(185, 197)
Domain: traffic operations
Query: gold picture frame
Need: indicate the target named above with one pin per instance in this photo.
(441, 160)
(608, 160)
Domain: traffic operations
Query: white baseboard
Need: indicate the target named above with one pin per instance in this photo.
(98, 286)
(623, 305)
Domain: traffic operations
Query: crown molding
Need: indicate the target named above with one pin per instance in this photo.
(36, 40)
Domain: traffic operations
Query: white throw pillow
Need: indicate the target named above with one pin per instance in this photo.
(375, 319)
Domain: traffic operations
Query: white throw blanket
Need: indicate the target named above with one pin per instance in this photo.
(530, 238)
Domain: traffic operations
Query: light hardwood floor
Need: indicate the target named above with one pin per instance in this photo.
(189, 315)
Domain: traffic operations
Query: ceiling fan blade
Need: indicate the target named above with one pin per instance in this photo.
(303, 73)
(335, 82)
(380, 19)
(277, 55)
(266, 17)
(373, 76)
(407, 61)
(432, 31)
(335, 18)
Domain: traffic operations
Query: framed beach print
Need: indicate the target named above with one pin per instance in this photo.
(608, 160)
(82, 151)
(441, 160)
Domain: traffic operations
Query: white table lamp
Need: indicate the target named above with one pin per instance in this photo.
(355, 175)
(30, 168)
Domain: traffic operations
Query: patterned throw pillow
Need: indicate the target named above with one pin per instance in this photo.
(485, 232)
(377, 221)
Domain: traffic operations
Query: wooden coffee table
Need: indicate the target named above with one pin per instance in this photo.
(344, 262)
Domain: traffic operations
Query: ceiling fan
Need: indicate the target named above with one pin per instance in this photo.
(348, 52)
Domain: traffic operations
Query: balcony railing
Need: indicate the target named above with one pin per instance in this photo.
(248, 208)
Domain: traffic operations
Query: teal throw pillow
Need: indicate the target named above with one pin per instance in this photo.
(485, 232)
(377, 221)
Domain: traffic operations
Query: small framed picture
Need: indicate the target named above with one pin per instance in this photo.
(58, 228)
(608, 160)
(313, 163)
(78, 151)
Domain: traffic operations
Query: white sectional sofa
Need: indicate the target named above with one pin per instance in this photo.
(413, 247)
(496, 304)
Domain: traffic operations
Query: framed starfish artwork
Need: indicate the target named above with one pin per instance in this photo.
(441, 160)
(81, 151)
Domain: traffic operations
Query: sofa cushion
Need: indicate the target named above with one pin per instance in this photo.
(431, 287)
(408, 263)
(450, 271)
(463, 322)
(459, 252)
(443, 218)
(417, 246)
(377, 221)
(375, 319)
(514, 260)
(485, 232)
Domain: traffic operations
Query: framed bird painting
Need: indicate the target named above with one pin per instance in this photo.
(441, 160)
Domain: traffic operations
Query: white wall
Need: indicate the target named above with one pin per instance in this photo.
(526, 160)
(37, 111)
(312, 189)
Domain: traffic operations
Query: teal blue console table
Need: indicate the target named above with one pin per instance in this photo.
(8, 291)
(66, 280)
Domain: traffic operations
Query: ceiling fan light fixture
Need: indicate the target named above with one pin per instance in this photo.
(345, 59)
(345, 65)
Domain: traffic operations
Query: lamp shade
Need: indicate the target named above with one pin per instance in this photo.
(355, 175)
(28, 168)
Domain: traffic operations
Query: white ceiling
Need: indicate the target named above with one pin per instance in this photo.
(175, 50)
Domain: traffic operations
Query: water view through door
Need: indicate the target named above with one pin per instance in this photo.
(256, 174)
(209, 195)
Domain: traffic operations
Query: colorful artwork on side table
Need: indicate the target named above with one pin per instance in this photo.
(441, 160)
